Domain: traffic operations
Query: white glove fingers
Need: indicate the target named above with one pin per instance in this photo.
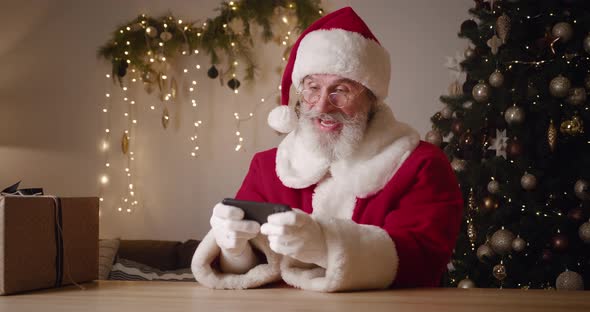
(288, 218)
(228, 212)
(273, 229)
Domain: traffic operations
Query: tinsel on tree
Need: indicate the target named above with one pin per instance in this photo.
(514, 131)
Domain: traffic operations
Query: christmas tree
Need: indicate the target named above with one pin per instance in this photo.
(514, 132)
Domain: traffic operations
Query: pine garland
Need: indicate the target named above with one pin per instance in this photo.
(145, 41)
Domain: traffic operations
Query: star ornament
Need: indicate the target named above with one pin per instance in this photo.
(500, 143)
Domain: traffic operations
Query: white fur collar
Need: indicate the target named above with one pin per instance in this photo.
(387, 143)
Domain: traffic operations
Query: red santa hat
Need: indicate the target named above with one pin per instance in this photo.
(339, 43)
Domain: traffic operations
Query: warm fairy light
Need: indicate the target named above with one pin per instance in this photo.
(107, 95)
(134, 121)
(101, 199)
(179, 21)
(191, 89)
(262, 100)
(104, 179)
(120, 209)
(152, 107)
(285, 20)
(233, 44)
(224, 25)
(126, 114)
(198, 66)
(108, 76)
(194, 82)
(132, 102)
(107, 130)
(196, 51)
(236, 63)
(104, 110)
(193, 154)
(236, 91)
(161, 44)
(238, 147)
(128, 210)
(185, 70)
(164, 77)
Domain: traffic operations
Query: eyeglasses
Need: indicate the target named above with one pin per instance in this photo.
(338, 99)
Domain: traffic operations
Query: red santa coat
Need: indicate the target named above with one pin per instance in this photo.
(390, 213)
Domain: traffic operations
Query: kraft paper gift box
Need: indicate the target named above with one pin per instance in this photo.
(47, 241)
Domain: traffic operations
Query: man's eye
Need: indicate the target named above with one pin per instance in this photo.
(340, 90)
(314, 88)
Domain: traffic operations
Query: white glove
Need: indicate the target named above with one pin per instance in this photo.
(230, 231)
(297, 235)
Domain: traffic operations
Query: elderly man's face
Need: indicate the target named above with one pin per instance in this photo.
(334, 113)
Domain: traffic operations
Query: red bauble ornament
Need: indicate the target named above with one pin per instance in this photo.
(457, 127)
(560, 242)
(576, 215)
(514, 148)
(546, 255)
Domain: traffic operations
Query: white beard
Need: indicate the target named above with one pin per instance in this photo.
(337, 145)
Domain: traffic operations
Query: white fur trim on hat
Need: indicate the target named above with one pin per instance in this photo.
(344, 53)
(282, 119)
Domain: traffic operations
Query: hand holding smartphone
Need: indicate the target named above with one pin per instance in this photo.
(256, 211)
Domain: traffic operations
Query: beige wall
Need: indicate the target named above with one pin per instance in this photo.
(52, 86)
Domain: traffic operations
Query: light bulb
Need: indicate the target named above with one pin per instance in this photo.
(104, 179)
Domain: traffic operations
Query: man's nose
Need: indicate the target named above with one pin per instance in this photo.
(323, 104)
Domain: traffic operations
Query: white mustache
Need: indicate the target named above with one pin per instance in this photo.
(336, 116)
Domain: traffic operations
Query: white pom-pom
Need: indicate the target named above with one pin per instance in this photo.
(283, 119)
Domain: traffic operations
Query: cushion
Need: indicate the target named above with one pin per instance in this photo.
(154, 253)
(129, 270)
(107, 249)
(185, 252)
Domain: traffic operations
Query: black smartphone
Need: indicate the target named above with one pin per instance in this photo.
(256, 211)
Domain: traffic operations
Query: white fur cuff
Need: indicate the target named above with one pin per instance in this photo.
(261, 274)
(359, 257)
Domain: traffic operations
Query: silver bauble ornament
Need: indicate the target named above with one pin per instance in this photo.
(569, 280)
(563, 30)
(577, 96)
(499, 271)
(514, 115)
(501, 242)
(466, 283)
(493, 187)
(481, 92)
(559, 86)
(151, 31)
(581, 190)
(584, 232)
(446, 112)
(166, 36)
(459, 165)
(434, 137)
(484, 253)
(496, 79)
(518, 244)
(587, 44)
(528, 182)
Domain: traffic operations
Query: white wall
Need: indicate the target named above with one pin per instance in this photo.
(52, 86)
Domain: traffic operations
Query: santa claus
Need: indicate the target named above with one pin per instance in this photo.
(377, 207)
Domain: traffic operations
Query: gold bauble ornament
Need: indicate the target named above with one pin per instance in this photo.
(481, 92)
(434, 137)
(528, 182)
(484, 253)
(466, 283)
(563, 31)
(552, 135)
(584, 232)
(518, 244)
(459, 165)
(569, 280)
(501, 242)
(576, 97)
(493, 186)
(514, 115)
(496, 79)
(490, 203)
(581, 189)
(559, 86)
(499, 271)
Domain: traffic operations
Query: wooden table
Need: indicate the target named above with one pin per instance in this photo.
(187, 296)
